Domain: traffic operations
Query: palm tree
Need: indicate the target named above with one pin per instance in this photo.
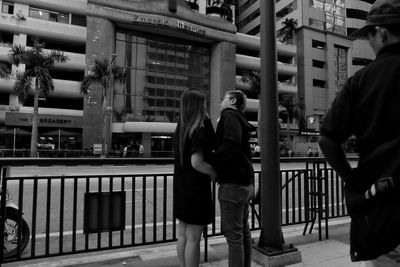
(104, 74)
(4, 71)
(287, 33)
(254, 80)
(36, 75)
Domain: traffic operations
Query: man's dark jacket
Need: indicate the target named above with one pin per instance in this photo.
(368, 107)
(232, 157)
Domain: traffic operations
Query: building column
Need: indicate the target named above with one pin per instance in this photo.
(100, 45)
(146, 142)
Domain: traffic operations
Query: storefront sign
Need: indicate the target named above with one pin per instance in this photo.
(187, 27)
(45, 120)
(150, 20)
(171, 23)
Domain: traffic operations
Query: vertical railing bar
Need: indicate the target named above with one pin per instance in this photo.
(133, 209)
(344, 210)
(48, 210)
(154, 208)
(299, 195)
(100, 213)
(87, 191)
(74, 213)
(20, 208)
(320, 204)
(62, 214)
(214, 194)
(110, 208)
(34, 211)
(165, 208)
(326, 200)
(3, 176)
(144, 209)
(337, 193)
(293, 186)
(287, 201)
(307, 196)
(122, 232)
(332, 190)
(205, 235)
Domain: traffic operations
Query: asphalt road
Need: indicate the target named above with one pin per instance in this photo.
(97, 170)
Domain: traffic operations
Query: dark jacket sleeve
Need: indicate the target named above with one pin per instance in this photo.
(231, 139)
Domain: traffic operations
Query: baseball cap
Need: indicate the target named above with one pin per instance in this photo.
(382, 12)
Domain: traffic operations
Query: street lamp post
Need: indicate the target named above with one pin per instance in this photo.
(271, 241)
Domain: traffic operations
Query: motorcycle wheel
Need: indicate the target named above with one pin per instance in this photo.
(10, 248)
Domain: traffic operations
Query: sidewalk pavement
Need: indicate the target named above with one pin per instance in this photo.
(327, 253)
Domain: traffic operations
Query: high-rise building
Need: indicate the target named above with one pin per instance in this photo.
(164, 46)
(326, 57)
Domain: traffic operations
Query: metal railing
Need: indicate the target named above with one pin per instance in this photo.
(60, 210)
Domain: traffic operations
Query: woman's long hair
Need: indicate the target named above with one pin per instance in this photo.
(193, 113)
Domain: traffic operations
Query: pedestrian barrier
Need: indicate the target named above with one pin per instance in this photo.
(58, 209)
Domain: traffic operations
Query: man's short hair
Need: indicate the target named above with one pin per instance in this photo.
(240, 97)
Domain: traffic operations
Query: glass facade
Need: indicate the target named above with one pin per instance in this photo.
(340, 67)
(334, 11)
(158, 71)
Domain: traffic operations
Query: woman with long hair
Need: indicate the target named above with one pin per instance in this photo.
(193, 205)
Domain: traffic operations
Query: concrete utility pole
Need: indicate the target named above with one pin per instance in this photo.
(271, 244)
(271, 231)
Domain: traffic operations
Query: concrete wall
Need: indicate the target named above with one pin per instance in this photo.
(99, 45)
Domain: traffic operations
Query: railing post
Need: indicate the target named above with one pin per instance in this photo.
(4, 172)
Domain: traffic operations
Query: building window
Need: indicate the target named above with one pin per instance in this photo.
(356, 13)
(7, 8)
(361, 61)
(318, 64)
(318, 44)
(4, 98)
(319, 83)
(249, 18)
(159, 71)
(255, 30)
(48, 15)
(286, 10)
(78, 20)
(6, 39)
(334, 12)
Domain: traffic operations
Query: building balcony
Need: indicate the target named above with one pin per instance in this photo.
(42, 28)
(62, 88)
(254, 63)
(252, 43)
(283, 88)
(72, 6)
(75, 61)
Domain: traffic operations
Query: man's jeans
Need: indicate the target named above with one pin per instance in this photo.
(234, 204)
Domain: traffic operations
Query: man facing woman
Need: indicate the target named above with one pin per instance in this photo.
(231, 155)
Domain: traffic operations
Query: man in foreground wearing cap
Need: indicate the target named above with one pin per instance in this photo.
(368, 107)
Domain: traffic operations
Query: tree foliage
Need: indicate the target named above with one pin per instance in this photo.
(36, 78)
(287, 33)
